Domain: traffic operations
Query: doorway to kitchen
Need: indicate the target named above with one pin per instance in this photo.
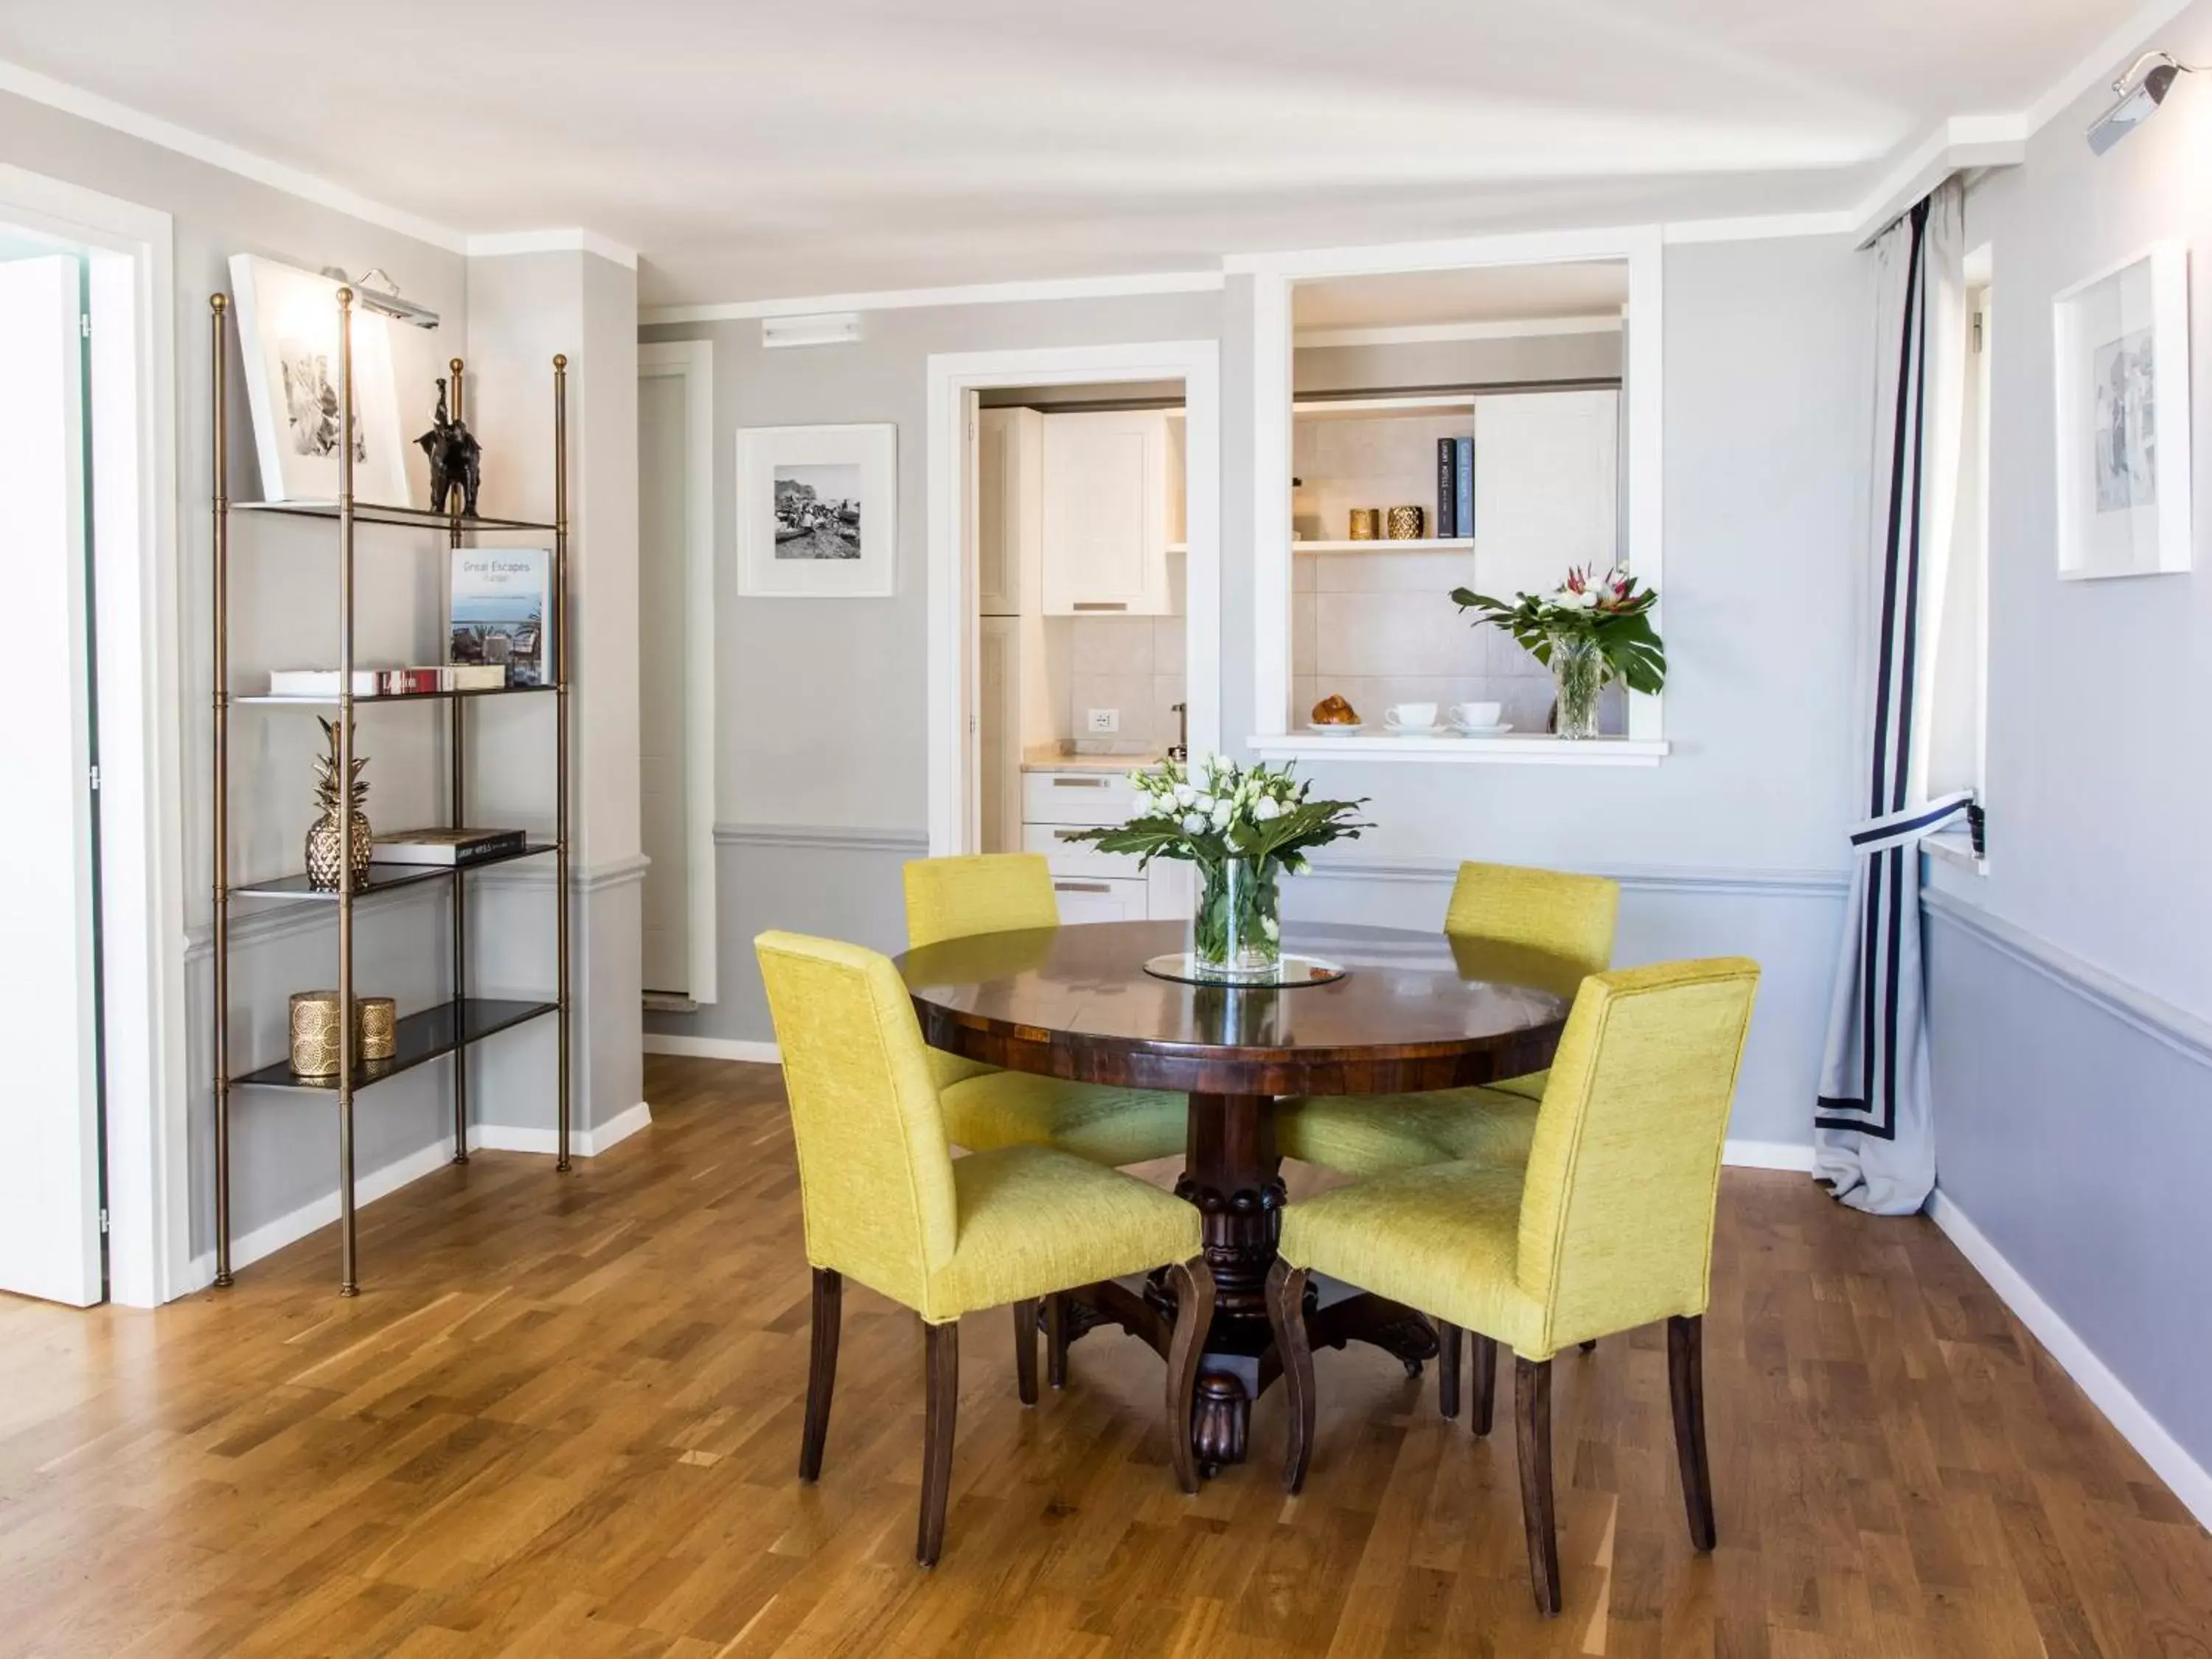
(1074, 594)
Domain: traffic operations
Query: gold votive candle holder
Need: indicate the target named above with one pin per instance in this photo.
(315, 1032)
(1364, 523)
(1406, 524)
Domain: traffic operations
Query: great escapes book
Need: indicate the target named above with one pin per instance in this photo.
(502, 605)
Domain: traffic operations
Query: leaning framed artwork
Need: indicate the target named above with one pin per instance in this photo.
(288, 331)
(817, 512)
(2121, 383)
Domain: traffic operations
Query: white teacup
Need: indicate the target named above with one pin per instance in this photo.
(1410, 716)
(1475, 716)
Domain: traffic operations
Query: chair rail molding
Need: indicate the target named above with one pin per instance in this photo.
(825, 837)
(1633, 877)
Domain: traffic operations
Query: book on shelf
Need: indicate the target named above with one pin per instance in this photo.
(500, 610)
(1446, 487)
(1463, 487)
(452, 847)
(387, 681)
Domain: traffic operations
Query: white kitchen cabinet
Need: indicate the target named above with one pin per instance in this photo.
(1546, 474)
(1091, 898)
(1092, 885)
(1077, 797)
(1009, 509)
(1105, 514)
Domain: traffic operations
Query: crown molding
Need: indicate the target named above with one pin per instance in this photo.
(973, 293)
(1760, 227)
(1961, 143)
(574, 240)
(1428, 333)
(215, 152)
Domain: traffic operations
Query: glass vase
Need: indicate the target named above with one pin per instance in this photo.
(1237, 934)
(1578, 675)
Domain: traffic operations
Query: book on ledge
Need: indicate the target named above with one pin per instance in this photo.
(1447, 487)
(454, 846)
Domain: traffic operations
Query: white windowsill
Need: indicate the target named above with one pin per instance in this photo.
(1955, 847)
(1525, 748)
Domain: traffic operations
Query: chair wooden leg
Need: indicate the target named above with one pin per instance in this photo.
(1447, 1369)
(1194, 1290)
(1532, 1407)
(940, 1408)
(1286, 1312)
(821, 1368)
(1686, 1379)
(1055, 1339)
(1025, 1324)
(1486, 1382)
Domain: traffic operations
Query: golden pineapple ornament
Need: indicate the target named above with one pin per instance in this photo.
(325, 848)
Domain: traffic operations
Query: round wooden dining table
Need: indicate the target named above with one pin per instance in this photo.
(1415, 1012)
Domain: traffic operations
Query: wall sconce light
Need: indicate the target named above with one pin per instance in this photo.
(377, 292)
(2138, 94)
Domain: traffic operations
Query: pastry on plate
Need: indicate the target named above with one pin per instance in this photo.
(1333, 710)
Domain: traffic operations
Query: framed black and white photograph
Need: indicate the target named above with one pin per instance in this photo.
(288, 331)
(2122, 343)
(817, 511)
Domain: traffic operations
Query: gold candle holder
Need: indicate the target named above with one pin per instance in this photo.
(376, 1027)
(1405, 524)
(1364, 521)
(315, 1033)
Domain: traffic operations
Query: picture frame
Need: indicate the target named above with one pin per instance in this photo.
(817, 512)
(2122, 405)
(288, 332)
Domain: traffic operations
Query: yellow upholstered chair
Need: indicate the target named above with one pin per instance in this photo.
(886, 1203)
(987, 1106)
(1609, 1226)
(1542, 928)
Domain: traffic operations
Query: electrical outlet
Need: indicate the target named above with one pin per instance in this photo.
(1103, 722)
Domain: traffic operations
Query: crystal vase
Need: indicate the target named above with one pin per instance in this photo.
(1578, 675)
(1236, 934)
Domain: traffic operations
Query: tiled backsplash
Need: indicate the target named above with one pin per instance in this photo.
(1379, 628)
(1134, 663)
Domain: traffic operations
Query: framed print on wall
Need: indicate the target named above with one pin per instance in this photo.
(2122, 393)
(817, 512)
(288, 331)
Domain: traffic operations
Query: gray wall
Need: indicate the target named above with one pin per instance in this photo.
(2072, 1120)
(283, 614)
(1733, 844)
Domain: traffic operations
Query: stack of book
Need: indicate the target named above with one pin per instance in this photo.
(389, 682)
(1455, 488)
(454, 846)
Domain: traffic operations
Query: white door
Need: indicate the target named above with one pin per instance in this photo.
(50, 1110)
(676, 672)
(1546, 475)
(1106, 513)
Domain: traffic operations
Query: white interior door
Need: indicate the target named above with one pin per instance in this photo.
(676, 670)
(50, 1110)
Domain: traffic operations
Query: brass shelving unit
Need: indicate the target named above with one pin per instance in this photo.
(448, 1028)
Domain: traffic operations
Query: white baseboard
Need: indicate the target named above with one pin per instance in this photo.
(2189, 1480)
(582, 1143)
(273, 1236)
(1768, 1155)
(697, 1047)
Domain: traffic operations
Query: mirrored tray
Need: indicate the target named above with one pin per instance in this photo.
(1292, 972)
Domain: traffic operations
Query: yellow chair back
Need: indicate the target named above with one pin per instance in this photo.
(980, 893)
(1542, 928)
(875, 1179)
(1617, 1215)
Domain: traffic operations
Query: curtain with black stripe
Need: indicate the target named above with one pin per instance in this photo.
(1874, 1141)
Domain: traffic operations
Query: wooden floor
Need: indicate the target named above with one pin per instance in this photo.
(563, 1416)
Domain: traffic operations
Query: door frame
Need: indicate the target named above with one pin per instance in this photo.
(136, 509)
(692, 362)
(954, 624)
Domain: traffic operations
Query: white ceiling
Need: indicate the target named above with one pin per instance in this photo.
(751, 150)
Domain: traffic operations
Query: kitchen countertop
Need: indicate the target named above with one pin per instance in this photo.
(1045, 759)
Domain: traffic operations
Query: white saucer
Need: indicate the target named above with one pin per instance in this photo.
(1417, 731)
(1497, 731)
(1338, 730)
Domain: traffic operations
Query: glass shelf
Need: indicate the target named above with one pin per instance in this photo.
(420, 1038)
(413, 518)
(361, 699)
(382, 879)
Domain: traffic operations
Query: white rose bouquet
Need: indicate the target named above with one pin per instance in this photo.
(1243, 826)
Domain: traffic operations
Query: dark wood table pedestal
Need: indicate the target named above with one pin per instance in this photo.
(1233, 1175)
